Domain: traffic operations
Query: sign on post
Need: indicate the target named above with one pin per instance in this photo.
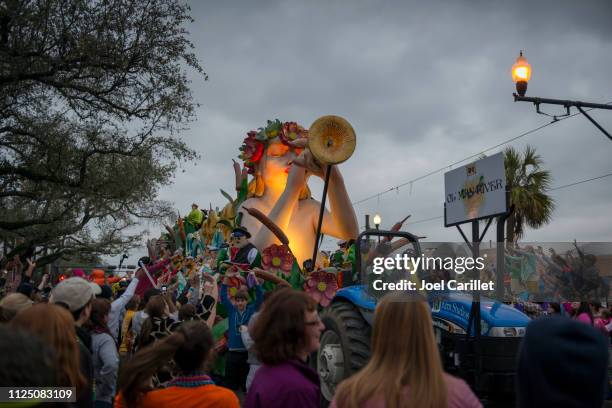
(475, 191)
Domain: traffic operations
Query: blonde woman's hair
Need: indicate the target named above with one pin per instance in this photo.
(404, 353)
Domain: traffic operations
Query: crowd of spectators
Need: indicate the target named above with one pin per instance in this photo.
(149, 346)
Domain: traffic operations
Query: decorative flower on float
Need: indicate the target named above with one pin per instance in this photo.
(277, 259)
(234, 281)
(252, 151)
(234, 285)
(256, 141)
(291, 131)
(322, 286)
(271, 130)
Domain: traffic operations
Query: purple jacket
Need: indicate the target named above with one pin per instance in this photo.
(290, 384)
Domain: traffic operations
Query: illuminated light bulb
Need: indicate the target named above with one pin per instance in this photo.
(521, 74)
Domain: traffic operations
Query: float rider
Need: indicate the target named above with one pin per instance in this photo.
(241, 251)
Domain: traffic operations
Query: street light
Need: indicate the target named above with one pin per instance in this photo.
(521, 73)
(377, 220)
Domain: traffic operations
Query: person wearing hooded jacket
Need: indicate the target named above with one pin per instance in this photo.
(563, 364)
(105, 355)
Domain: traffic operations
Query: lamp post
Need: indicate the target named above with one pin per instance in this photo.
(521, 73)
(377, 220)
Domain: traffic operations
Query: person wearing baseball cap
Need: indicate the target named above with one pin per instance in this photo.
(76, 295)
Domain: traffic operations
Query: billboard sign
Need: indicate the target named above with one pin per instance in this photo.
(475, 191)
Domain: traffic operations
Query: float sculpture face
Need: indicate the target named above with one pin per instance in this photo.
(276, 164)
(268, 155)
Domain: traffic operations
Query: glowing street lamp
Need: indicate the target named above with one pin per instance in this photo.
(521, 73)
(377, 220)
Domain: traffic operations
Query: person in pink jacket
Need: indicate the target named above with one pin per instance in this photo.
(583, 313)
(405, 367)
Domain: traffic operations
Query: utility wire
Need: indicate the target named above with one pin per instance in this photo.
(431, 173)
(550, 189)
(580, 182)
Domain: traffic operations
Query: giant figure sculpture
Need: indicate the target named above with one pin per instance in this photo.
(281, 163)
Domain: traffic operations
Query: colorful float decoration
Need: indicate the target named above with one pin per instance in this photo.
(278, 259)
(330, 140)
(322, 285)
(98, 276)
(210, 242)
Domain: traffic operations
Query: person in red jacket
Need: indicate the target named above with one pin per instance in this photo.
(153, 270)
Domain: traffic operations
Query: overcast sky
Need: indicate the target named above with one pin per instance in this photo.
(424, 84)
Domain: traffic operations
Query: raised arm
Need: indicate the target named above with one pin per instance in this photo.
(43, 282)
(193, 283)
(340, 221)
(210, 298)
(225, 300)
(158, 266)
(125, 297)
(258, 294)
(31, 266)
(168, 299)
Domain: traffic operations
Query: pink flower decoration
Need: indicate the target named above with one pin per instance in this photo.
(254, 144)
(291, 131)
(251, 151)
(322, 287)
(277, 259)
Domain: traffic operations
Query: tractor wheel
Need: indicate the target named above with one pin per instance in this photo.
(345, 346)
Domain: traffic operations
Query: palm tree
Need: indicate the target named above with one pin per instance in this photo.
(528, 184)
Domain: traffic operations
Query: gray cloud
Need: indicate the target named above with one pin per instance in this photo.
(423, 83)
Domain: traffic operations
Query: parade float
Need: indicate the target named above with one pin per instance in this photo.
(272, 226)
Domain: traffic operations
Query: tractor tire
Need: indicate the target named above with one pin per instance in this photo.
(345, 346)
